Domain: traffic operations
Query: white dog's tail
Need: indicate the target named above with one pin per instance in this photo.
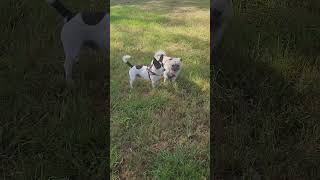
(125, 59)
(158, 54)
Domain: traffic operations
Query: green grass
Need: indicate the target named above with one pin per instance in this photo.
(160, 133)
(47, 130)
(267, 90)
(179, 165)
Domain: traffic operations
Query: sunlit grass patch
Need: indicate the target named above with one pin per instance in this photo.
(146, 121)
(180, 164)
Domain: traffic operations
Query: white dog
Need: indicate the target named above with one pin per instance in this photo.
(80, 29)
(151, 73)
(172, 65)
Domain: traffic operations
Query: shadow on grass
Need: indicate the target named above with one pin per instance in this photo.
(47, 130)
(266, 120)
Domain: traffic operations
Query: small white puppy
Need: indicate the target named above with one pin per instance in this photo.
(151, 73)
(172, 65)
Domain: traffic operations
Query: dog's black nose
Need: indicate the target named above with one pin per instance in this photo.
(175, 67)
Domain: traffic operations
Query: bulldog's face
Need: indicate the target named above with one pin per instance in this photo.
(172, 64)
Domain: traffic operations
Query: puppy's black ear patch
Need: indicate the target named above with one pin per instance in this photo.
(157, 64)
(161, 58)
(92, 18)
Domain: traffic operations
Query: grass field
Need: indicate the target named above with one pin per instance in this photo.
(160, 133)
(46, 130)
(267, 90)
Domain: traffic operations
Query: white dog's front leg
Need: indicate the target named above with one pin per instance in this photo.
(153, 84)
(131, 83)
(68, 70)
(165, 77)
